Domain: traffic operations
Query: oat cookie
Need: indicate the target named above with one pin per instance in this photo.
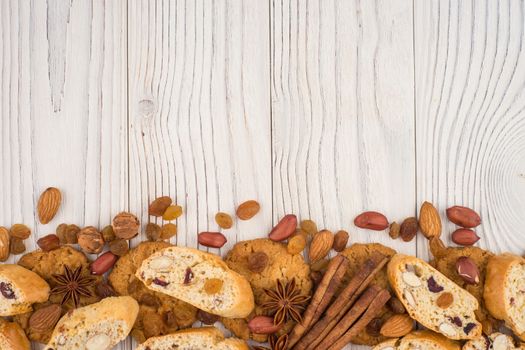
(279, 265)
(159, 314)
(446, 264)
(46, 264)
(358, 253)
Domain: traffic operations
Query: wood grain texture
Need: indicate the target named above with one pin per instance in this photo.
(200, 112)
(343, 120)
(63, 110)
(470, 80)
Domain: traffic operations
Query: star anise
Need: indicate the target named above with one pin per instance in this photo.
(275, 343)
(73, 285)
(285, 302)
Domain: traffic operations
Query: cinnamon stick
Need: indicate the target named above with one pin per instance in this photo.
(331, 281)
(349, 319)
(373, 311)
(343, 302)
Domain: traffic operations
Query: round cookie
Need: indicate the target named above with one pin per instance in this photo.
(281, 266)
(445, 262)
(47, 264)
(159, 314)
(358, 253)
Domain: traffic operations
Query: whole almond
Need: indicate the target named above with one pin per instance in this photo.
(284, 228)
(159, 206)
(340, 240)
(445, 300)
(371, 220)
(467, 270)
(125, 225)
(321, 245)
(48, 204)
(45, 319)
(4, 244)
(90, 240)
(20, 231)
(263, 325)
(49, 242)
(437, 247)
(248, 209)
(464, 237)
(429, 220)
(408, 229)
(394, 230)
(212, 239)
(103, 263)
(224, 220)
(397, 326)
(463, 216)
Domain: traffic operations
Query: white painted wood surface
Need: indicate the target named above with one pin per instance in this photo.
(320, 108)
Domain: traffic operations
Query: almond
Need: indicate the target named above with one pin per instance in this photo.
(45, 319)
(20, 231)
(103, 263)
(212, 239)
(340, 240)
(48, 204)
(263, 325)
(125, 225)
(467, 270)
(4, 244)
(463, 216)
(49, 242)
(464, 237)
(321, 245)
(248, 209)
(284, 228)
(429, 220)
(397, 326)
(99, 341)
(159, 206)
(445, 300)
(371, 220)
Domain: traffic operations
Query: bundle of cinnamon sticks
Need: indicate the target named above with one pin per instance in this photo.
(331, 321)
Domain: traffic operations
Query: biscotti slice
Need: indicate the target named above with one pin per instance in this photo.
(97, 326)
(419, 286)
(12, 336)
(504, 292)
(200, 279)
(496, 341)
(422, 340)
(209, 338)
(19, 289)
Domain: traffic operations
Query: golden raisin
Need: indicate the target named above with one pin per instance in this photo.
(213, 286)
(296, 244)
(248, 209)
(20, 231)
(223, 220)
(168, 230)
(172, 213)
(108, 233)
(309, 227)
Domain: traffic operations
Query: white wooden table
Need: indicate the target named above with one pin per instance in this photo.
(318, 108)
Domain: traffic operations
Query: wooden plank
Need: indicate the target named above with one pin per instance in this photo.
(63, 111)
(470, 75)
(343, 112)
